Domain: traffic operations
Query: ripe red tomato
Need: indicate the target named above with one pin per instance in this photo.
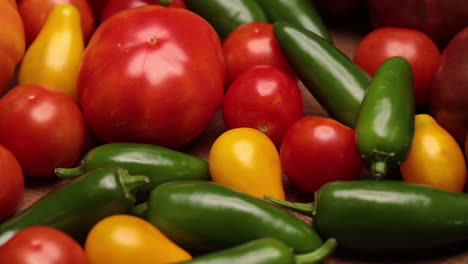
(35, 12)
(152, 74)
(11, 183)
(264, 98)
(42, 244)
(42, 127)
(317, 150)
(114, 6)
(250, 45)
(415, 46)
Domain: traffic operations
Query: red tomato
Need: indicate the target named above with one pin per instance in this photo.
(152, 74)
(264, 98)
(35, 12)
(114, 6)
(44, 245)
(11, 183)
(250, 45)
(317, 150)
(42, 127)
(416, 47)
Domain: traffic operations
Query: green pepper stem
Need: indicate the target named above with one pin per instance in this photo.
(68, 173)
(134, 182)
(140, 210)
(303, 208)
(318, 255)
(379, 169)
(164, 2)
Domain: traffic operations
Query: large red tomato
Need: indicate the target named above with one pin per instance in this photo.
(250, 45)
(44, 245)
(152, 74)
(12, 41)
(11, 183)
(42, 127)
(416, 47)
(317, 150)
(265, 98)
(114, 6)
(35, 12)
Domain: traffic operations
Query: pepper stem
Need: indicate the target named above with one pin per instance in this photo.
(303, 208)
(318, 255)
(140, 210)
(134, 182)
(164, 2)
(68, 173)
(379, 169)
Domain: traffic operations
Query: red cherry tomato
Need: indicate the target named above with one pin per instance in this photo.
(317, 150)
(42, 127)
(264, 98)
(250, 45)
(415, 46)
(44, 245)
(115, 6)
(11, 183)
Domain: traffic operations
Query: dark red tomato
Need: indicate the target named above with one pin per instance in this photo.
(42, 127)
(264, 98)
(44, 245)
(114, 6)
(11, 183)
(415, 46)
(152, 74)
(317, 150)
(250, 45)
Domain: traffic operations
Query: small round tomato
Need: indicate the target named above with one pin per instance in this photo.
(44, 245)
(264, 98)
(11, 183)
(43, 127)
(123, 239)
(247, 160)
(416, 47)
(115, 6)
(317, 150)
(250, 45)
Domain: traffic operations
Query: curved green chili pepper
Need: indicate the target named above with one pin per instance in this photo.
(205, 216)
(264, 251)
(78, 205)
(164, 2)
(385, 126)
(332, 78)
(227, 15)
(301, 13)
(386, 215)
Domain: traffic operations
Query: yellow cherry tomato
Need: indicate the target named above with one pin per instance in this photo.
(435, 157)
(54, 58)
(124, 239)
(247, 160)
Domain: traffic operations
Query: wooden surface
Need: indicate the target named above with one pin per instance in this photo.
(345, 38)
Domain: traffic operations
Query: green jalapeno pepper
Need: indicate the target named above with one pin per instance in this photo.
(227, 15)
(159, 164)
(78, 205)
(264, 251)
(205, 216)
(301, 13)
(386, 215)
(332, 78)
(385, 126)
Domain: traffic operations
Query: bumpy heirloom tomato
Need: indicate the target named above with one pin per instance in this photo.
(152, 74)
(11, 183)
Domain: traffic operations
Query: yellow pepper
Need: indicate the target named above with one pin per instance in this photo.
(435, 157)
(54, 58)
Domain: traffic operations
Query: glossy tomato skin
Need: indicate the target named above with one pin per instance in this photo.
(250, 45)
(11, 183)
(265, 98)
(43, 127)
(152, 75)
(317, 150)
(42, 244)
(114, 6)
(35, 13)
(416, 47)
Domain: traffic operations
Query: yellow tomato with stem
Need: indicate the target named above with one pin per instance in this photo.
(124, 239)
(247, 160)
(435, 157)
